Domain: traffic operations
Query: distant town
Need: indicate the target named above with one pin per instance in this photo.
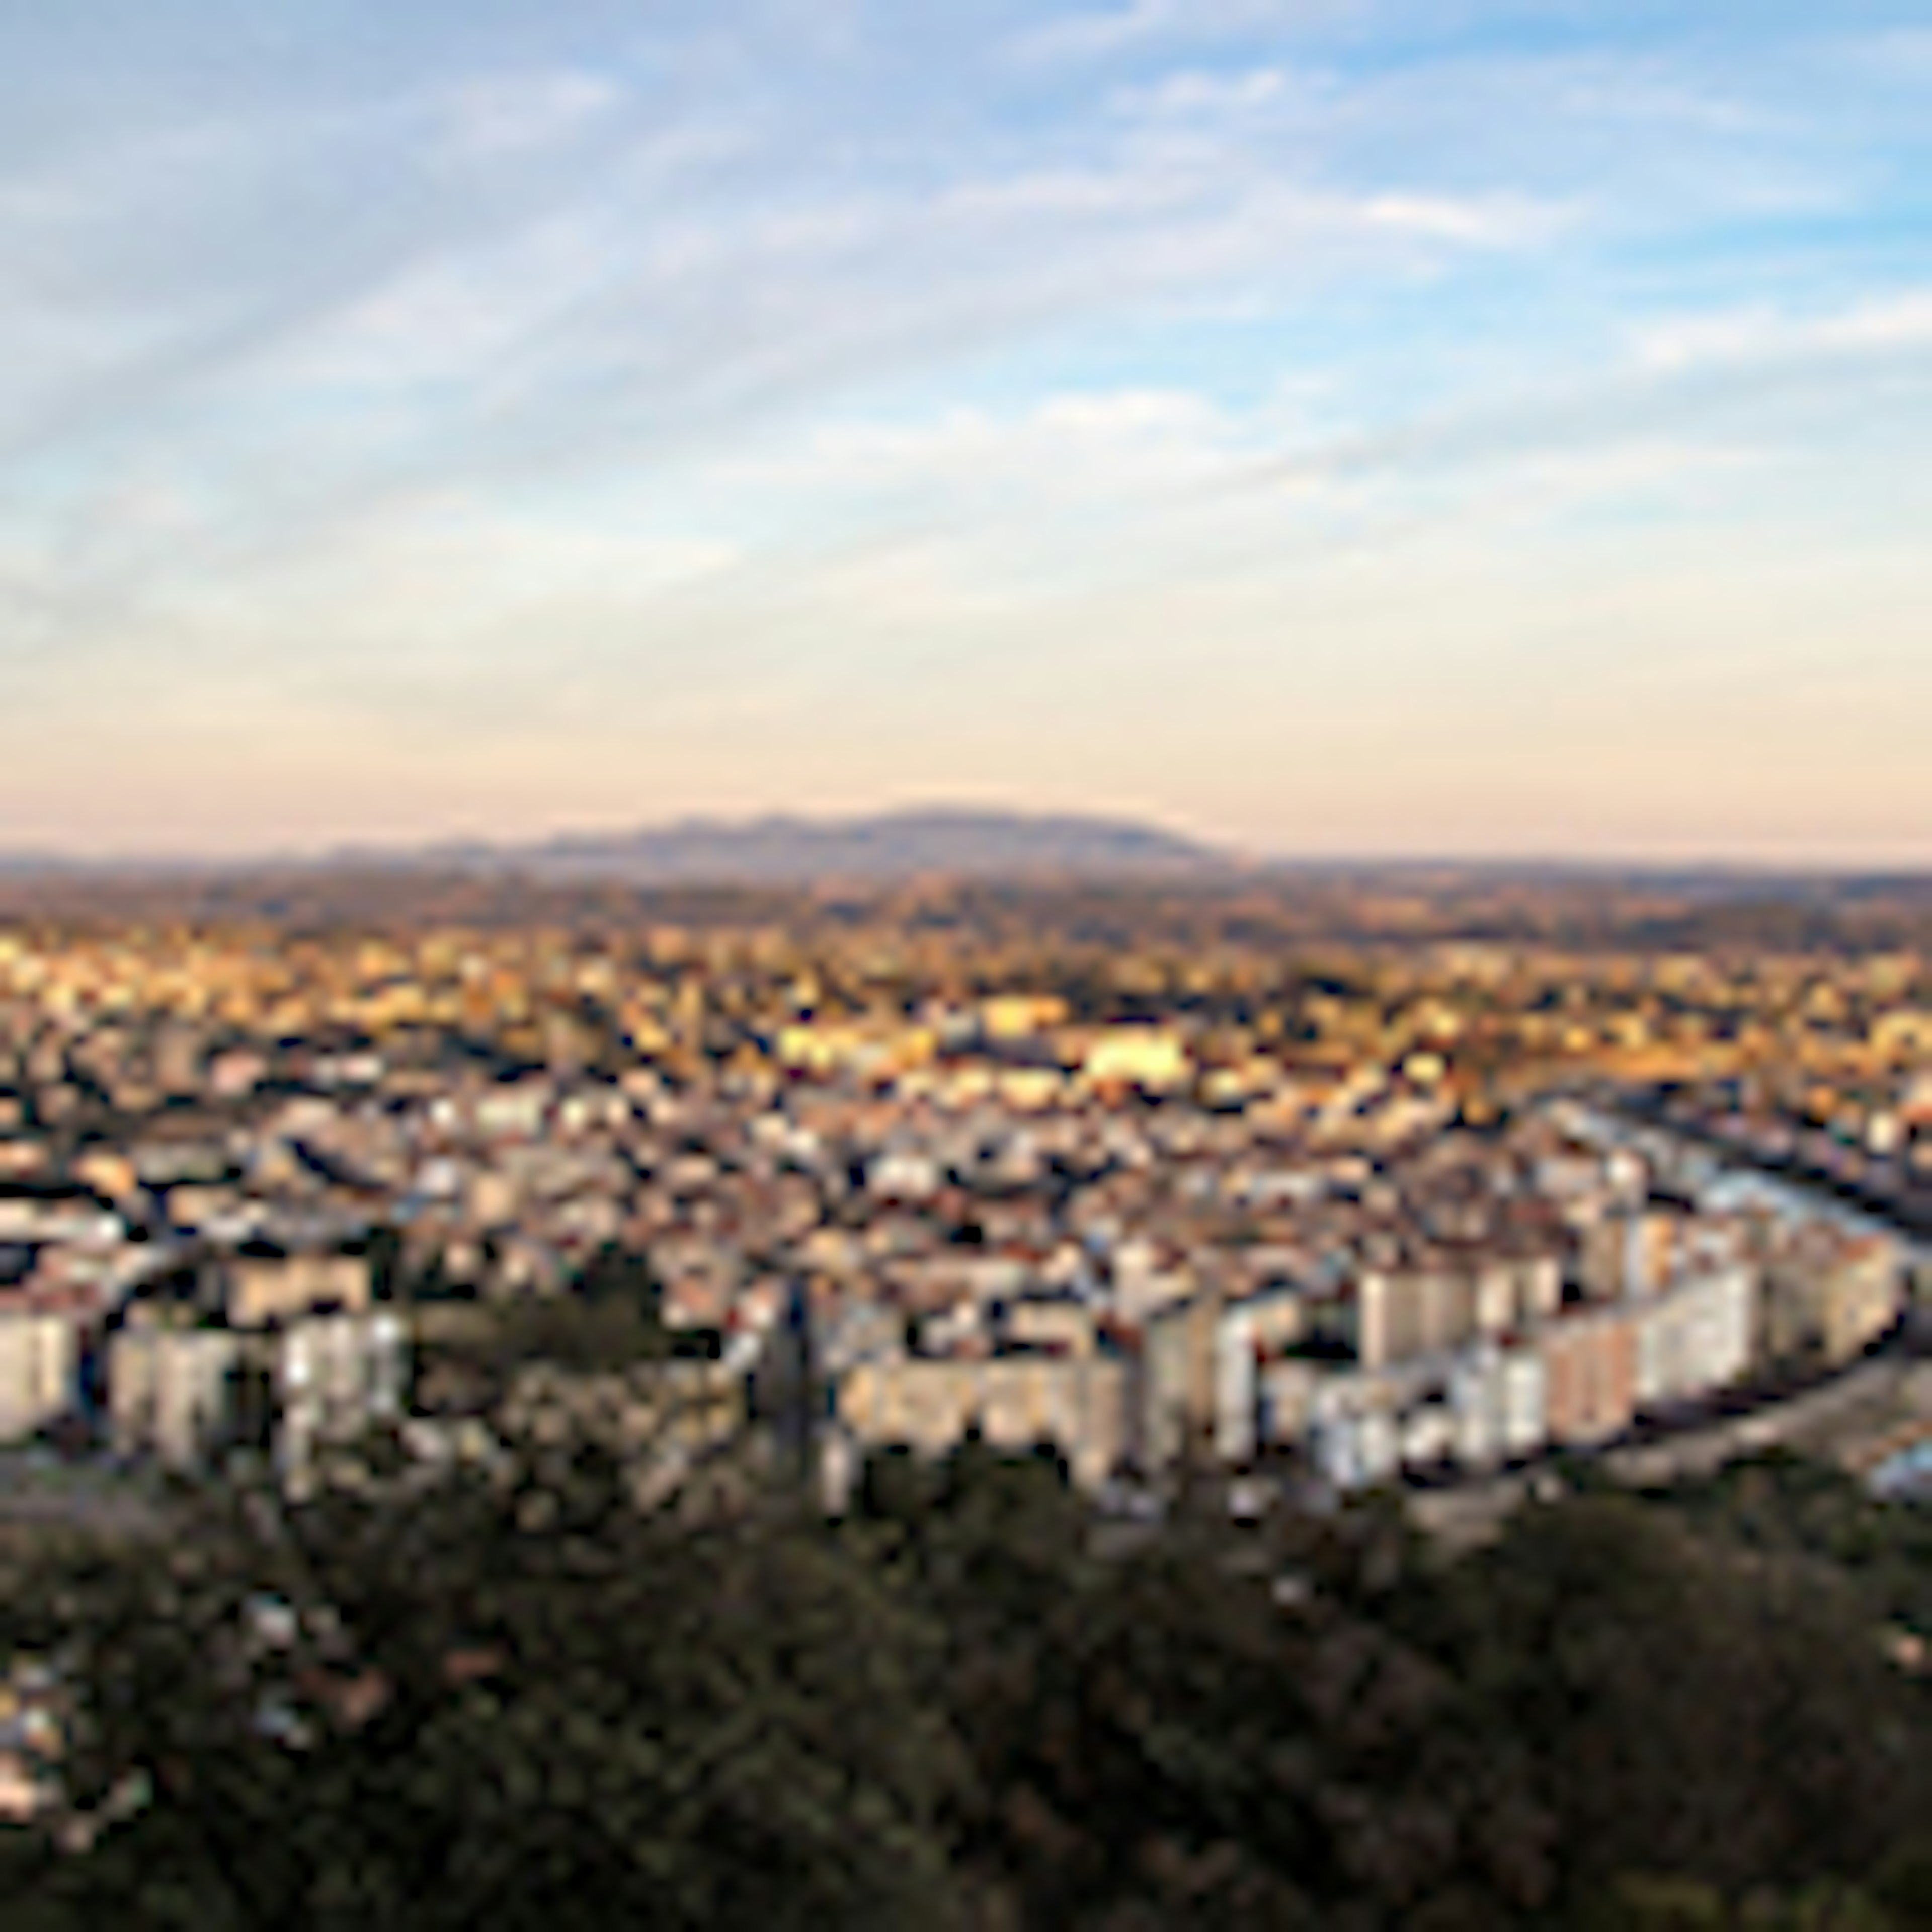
(1372, 1212)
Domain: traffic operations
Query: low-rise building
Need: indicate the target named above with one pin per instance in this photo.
(256, 1290)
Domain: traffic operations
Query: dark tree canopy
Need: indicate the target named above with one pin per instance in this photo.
(520, 1701)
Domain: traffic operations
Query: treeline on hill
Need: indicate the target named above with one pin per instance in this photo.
(524, 1703)
(1574, 908)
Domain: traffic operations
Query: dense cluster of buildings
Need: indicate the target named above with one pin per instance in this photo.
(1181, 1210)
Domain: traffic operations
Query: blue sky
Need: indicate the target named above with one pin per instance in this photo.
(1330, 426)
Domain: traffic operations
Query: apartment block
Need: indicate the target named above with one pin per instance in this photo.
(169, 1390)
(1080, 1405)
(1589, 1375)
(39, 1353)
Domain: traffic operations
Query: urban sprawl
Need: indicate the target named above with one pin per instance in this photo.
(1375, 1215)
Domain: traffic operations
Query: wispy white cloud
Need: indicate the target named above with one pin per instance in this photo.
(1137, 25)
(1881, 324)
(513, 113)
(767, 371)
(1191, 94)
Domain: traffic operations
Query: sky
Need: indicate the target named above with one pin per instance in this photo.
(1328, 426)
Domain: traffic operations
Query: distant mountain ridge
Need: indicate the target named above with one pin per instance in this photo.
(789, 851)
(784, 849)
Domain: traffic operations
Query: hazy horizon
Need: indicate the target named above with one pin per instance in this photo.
(421, 846)
(1321, 427)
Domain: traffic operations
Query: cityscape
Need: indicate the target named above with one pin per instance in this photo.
(1417, 1210)
(741, 1192)
(965, 969)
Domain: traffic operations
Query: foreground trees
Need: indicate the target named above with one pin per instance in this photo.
(522, 1705)
(517, 1701)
